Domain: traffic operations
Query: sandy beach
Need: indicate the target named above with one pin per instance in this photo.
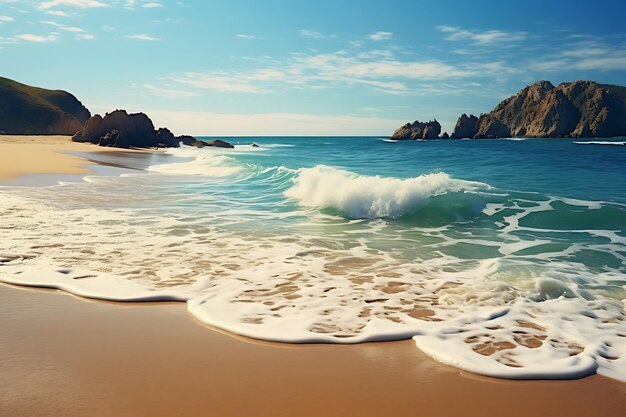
(65, 356)
(62, 355)
(26, 154)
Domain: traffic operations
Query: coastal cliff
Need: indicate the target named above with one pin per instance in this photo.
(541, 110)
(27, 110)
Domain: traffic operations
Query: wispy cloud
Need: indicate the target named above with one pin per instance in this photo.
(244, 36)
(151, 5)
(380, 36)
(58, 13)
(489, 37)
(168, 92)
(80, 4)
(314, 35)
(28, 37)
(5, 19)
(142, 37)
(378, 70)
(584, 55)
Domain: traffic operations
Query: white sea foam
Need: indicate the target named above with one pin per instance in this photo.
(504, 315)
(209, 162)
(360, 196)
(601, 142)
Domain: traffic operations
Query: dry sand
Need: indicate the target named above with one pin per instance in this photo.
(64, 356)
(21, 155)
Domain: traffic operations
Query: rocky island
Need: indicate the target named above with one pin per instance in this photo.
(541, 110)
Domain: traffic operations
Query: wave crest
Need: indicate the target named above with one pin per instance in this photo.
(369, 197)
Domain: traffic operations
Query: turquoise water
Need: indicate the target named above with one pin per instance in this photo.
(503, 257)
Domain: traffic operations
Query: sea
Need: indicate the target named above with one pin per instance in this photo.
(500, 257)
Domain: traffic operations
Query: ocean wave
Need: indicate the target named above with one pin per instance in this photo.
(599, 142)
(211, 163)
(369, 197)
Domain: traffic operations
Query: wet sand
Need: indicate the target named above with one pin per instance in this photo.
(62, 355)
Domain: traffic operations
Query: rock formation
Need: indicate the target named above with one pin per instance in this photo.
(136, 130)
(216, 143)
(27, 110)
(418, 130)
(466, 127)
(541, 110)
(575, 109)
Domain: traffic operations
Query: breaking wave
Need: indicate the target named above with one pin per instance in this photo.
(371, 197)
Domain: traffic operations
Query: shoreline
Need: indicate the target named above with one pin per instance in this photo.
(130, 359)
(28, 155)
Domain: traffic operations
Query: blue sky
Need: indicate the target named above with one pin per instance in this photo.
(306, 67)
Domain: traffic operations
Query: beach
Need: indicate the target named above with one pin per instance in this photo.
(65, 355)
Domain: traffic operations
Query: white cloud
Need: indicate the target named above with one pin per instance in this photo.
(151, 5)
(168, 92)
(314, 35)
(81, 4)
(378, 70)
(36, 38)
(244, 36)
(5, 19)
(380, 36)
(490, 37)
(85, 36)
(57, 13)
(72, 29)
(142, 37)
(602, 64)
(218, 81)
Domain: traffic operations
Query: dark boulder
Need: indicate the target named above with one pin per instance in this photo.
(124, 130)
(444, 136)
(186, 140)
(219, 144)
(166, 138)
(215, 143)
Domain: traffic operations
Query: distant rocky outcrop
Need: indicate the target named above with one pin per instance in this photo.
(136, 130)
(27, 110)
(418, 130)
(541, 110)
(466, 127)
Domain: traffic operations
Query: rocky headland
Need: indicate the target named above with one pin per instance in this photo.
(541, 110)
(28, 110)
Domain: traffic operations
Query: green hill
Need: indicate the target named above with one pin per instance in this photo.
(26, 110)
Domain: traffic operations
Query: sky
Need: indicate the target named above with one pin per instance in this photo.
(279, 67)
